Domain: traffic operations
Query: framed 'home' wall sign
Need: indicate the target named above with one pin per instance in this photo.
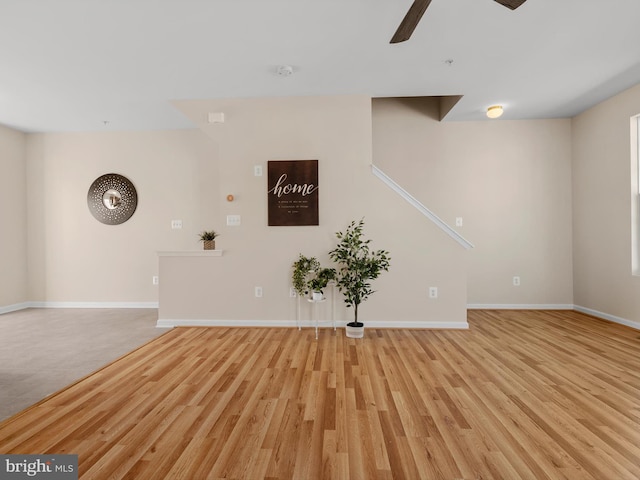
(293, 192)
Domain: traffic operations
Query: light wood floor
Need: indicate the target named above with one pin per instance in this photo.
(520, 395)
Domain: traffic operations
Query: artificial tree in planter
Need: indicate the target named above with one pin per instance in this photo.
(358, 265)
(208, 239)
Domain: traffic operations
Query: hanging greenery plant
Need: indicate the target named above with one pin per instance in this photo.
(309, 276)
(302, 270)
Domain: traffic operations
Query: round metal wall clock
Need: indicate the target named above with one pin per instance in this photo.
(112, 199)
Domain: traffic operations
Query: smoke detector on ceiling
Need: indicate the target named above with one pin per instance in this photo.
(284, 70)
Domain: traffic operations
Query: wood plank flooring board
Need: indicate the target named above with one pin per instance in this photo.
(285, 447)
(499, 438)
(612, 439)
(589, 409)
(245, 441)
(587, 443)
(520, 395)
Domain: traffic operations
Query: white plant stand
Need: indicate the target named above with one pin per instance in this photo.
(315, 316)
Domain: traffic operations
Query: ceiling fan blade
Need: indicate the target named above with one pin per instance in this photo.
(410, 21)
(512, 4)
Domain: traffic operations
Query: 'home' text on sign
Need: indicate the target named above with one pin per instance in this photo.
(293, 192)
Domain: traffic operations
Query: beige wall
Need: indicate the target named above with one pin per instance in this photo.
(337, 132)
(13, 215)
(510, 181)
(186, 175)
(602, 199)
(74, 258)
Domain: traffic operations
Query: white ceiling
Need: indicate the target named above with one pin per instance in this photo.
(71, 65)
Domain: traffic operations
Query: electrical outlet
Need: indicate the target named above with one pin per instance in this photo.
(516, 281)
(257, 170)
(292, 292)
(155, 280)
(458, 221)
(258, 292)
(433, 292)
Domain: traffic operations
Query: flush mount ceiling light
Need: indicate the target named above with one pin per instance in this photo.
(284, 70)
(494, 111)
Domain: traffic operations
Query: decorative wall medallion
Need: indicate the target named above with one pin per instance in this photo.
(112, 199)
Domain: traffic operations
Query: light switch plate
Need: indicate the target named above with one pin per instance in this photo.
(176, 224)
(233, 220)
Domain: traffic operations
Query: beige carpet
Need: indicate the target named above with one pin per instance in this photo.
(44, 350)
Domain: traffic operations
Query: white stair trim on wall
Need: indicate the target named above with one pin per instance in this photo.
(421, 208)
(421, 325)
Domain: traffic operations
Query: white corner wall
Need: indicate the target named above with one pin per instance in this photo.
(509, 181)
(13, 215)
(337, 132)
(76, 261)
(602, 197)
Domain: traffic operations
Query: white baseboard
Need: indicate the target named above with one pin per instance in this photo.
(169, 323)
(418, 325)
(606, 316)
(14, 308)
(577, 308)
(519, 306)
(197, 322)
(22, 306)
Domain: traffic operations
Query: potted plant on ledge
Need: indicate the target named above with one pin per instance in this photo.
(208, 239)
(358, 265)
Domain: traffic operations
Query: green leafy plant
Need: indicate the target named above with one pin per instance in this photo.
(321, 279)
(302, 270)
(358, 265)
(309, 276)
(208, 235)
